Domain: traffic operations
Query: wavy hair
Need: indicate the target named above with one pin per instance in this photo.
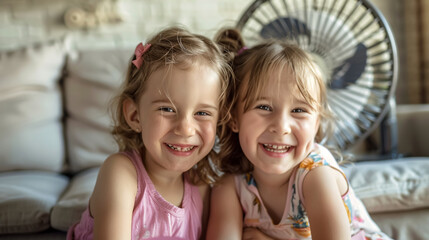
(251, 68)
(172, 47)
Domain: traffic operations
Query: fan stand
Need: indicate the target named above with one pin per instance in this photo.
(389, 133)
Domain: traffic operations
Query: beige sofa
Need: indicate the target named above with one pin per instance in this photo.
(55, 134)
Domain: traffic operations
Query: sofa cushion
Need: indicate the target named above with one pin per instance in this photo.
(404, 225)
(50, 234)
(26, 200)
(391, 185)
(74, 201)
(31, 108)
(93, 79)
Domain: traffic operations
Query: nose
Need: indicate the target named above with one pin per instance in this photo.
(281, 124)
(185, 127)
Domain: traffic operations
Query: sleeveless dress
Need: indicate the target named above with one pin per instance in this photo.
(153, 217)
(294, 223)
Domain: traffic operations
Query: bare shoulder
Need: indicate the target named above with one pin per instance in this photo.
(119, 162)
(116, 181)
(117, 169)
(224, 189)
(204, 190)
(226, 215)
(322, 190)
(227, 180)
(224, 194)
(325, 175)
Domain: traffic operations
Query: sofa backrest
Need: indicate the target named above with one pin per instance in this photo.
(31, 129)
(54, 106)
(92, 79)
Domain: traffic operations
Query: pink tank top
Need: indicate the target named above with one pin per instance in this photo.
(153, 217)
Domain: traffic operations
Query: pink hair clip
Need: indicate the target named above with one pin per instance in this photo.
(140, 49)
(241, 50)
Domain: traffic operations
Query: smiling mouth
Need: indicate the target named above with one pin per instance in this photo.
(180, 149)
(276, 148)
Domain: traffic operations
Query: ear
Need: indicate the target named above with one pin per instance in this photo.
(131, 114)
(233, 125)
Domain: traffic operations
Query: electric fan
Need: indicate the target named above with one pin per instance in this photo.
(352, 43)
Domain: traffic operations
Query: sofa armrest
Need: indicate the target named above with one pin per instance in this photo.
(391, 185)
(413, 129)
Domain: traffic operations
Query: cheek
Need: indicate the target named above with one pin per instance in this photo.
(248, 134)
(149, 134)
(315, 126)
(244, 140)
(154, 128)
(208, 130)
(310, 129)
(250, 121)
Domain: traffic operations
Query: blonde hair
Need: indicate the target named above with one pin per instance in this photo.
(172, 47)
(251, 68)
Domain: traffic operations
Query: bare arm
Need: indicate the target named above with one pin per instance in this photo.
(112, 201)
(322, 189)
(205, 195)
(226, 216)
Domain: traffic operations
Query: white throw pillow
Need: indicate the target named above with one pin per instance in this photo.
(93, 79)
(31, 107)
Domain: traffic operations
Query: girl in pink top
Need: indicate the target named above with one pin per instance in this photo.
(166, 118)
(279, 182)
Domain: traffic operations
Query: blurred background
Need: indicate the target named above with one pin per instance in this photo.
(113, 23)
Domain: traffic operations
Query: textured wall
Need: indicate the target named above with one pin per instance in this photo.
(26, 21)
(416, 38)
(393, 11)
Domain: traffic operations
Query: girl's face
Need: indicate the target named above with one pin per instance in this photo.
(178, 114)
(277, 131)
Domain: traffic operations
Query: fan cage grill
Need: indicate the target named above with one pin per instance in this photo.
(336, 31)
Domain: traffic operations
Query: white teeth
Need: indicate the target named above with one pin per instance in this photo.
(180, 149)
(276, 148)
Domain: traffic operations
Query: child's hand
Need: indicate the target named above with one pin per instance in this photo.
(254, 234)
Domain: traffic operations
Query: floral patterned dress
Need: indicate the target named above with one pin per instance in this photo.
(294, 223)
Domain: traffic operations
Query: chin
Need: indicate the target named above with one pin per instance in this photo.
(183, 167)
(275, 170)
(180, 168)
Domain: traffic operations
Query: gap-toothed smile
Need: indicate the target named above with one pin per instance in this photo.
(276, 148)
(180, 149)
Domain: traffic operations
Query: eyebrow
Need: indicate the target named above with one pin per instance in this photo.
(209, 106)
(262, 98)
(160, 101)
(297, 100)
(203, 105)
